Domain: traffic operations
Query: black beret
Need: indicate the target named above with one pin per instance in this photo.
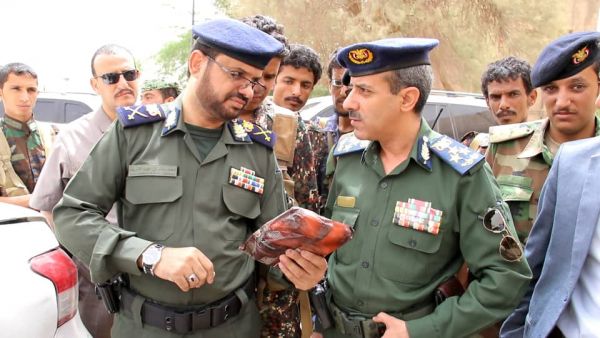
(382, 55)
(564, 57)
(238, 40)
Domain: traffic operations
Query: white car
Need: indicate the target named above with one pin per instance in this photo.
(38, 286)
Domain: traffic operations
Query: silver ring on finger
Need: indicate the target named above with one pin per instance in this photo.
(192, 278)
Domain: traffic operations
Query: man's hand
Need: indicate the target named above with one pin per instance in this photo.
(303, 268)
(394, 327)
(178, 264)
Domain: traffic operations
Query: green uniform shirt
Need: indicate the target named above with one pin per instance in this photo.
(388, 267)
(166, 194)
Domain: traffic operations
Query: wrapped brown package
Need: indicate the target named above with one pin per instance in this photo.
(296, 228)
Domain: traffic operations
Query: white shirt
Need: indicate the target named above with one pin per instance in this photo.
(581, 317)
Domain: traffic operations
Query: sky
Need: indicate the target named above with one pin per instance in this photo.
(57, 38)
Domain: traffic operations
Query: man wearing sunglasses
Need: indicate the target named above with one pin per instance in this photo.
(521, 154)
(115, 79)
(191, 182)
(420, 204)
(563, 249)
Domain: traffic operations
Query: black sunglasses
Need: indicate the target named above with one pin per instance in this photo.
(510, 249)
(112, 78)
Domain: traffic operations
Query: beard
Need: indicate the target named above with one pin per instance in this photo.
(210, 101)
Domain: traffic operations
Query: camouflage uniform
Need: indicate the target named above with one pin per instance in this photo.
(520, 160)
(28, 151)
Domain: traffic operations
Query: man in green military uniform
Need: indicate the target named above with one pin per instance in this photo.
(420, 204)
(190, 185)
(521, 154)
(159, 91)
(24, 142)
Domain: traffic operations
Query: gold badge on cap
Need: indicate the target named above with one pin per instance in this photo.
(360, 56)
(581, 55)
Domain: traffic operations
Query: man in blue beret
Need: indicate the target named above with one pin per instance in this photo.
(191, 183)
(421, 204)
(520, 155)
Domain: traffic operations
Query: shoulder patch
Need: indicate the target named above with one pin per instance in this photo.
(460, 157)
(348, 143)
(513, 131)
(245, 131)
(133, 116)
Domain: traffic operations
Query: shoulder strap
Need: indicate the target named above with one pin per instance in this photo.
(458, 156)
(512, 131)
(133, 116)
(348, 143)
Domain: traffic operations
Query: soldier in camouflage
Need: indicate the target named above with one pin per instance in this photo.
(159, 91)
(24, 142)
(521, 154)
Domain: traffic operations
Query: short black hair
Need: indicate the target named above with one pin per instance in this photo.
(268, 25)
(110, 49)
(333, 63)
(420, 77)
(304, 57)
(509, 68)
(169, 92)
(16, 68)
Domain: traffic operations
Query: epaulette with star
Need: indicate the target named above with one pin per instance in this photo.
(133, 116)
(460, 157)
(246, 131)
(348, 144)
(509, 132)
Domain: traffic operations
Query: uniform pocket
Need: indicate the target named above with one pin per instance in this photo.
(349, 252)
(241, 201)
(515, 188)
(150, 198)
(404, 255)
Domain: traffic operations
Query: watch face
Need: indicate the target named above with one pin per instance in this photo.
(151, 255)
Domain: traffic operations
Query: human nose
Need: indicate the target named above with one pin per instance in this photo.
(247, 91)
(350, 103)
(563, 99)
(504, 102)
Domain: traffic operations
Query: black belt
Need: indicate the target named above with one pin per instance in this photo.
(186, 320)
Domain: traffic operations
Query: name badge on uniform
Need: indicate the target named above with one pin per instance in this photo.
(246, 179)
(418, 215)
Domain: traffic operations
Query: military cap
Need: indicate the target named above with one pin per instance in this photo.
(159, 84)
(564, 57)
(238, 40)
(382, 55)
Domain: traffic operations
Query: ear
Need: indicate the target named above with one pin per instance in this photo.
(195, 61)
(94, 85)
(531, 98)
(410, 96)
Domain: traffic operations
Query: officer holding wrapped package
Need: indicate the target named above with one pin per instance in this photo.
(191, 182)
(420, 204)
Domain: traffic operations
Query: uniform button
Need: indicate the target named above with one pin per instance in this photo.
(374, 222)
(383, 185)
(360, 303)
(412, 243)
(365, 265)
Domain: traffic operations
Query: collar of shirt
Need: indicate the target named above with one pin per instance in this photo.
(419, 154)
(9, 122)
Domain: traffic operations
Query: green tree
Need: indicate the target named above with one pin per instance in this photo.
(172, 58)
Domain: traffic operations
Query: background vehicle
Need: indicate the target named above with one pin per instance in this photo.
(458, 112)
(38, 288)
(62, 107)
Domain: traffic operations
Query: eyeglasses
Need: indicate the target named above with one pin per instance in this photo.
(337, 83)
(112, 78)
(237, 76)
(510, 249)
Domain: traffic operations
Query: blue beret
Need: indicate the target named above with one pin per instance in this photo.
(238, 40)
(382, 55)
(564, 57)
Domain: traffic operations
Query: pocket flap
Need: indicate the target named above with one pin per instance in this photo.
(241, 201)
(416, 240)
(153, 189)
(515, 188)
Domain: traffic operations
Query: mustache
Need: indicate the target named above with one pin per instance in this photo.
(294, 99)
(239, 96)
(354, 115)
(505, 112)
(123, 92)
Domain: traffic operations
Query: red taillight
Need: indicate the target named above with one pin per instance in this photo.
(60, 269)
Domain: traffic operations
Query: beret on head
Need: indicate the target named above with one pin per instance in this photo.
(159, 84)
(238, 40)
(382, 55)
(564, 57)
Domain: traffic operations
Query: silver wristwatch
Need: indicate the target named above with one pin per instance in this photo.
(150, 257)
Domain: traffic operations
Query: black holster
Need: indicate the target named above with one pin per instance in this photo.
(318, 300)
(110, 293)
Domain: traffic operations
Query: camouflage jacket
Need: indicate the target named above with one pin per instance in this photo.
(520, 160)
(29, 148)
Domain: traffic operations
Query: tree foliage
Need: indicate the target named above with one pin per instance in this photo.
(472, 33)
